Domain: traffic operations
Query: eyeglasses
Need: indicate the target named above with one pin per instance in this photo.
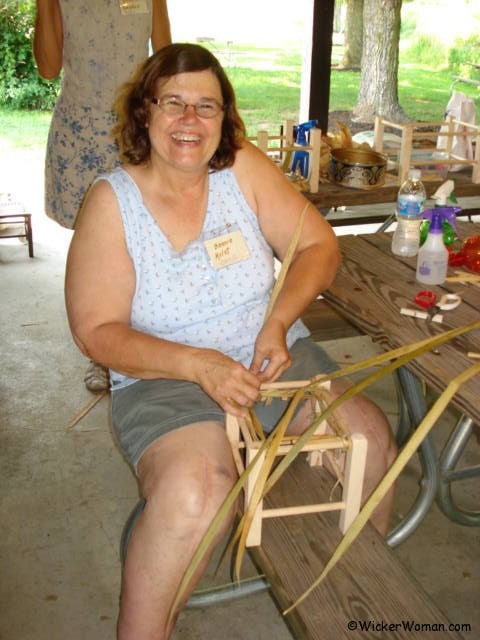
(175, 107)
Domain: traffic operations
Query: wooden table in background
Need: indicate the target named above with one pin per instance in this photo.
(330, 196)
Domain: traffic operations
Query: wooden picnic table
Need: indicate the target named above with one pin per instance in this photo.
(333, 196)
(370, 288)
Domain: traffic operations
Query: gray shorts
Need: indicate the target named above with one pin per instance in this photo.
(147, 409)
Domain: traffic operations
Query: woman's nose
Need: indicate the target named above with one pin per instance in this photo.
(190, 111)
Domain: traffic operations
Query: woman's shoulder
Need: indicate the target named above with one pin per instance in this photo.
(256, 169)
(249, 155)
(115, 173)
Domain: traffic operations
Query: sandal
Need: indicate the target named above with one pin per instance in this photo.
(96, 377)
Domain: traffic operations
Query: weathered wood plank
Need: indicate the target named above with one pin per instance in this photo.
(325, 323)
(370, 288)
(368, 586)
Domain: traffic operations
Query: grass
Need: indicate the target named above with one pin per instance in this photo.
(267, 84)
(24, 129)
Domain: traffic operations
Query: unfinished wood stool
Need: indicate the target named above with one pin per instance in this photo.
(279, 146)
(246, 442)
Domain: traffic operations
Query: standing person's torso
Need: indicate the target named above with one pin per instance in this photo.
(102, 47)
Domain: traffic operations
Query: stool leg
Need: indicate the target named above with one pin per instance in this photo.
(232, 429)
(254, 537)
(315, 458)
(353, 481)
(29, 234)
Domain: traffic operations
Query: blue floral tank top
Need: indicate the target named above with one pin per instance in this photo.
(181, 296)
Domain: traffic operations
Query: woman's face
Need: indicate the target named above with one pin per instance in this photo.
(186, 140)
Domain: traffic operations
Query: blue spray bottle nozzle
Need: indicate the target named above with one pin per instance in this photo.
(435, 223)
(449, 214)
(300, 158)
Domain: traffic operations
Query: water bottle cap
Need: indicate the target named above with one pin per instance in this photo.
(415, 174)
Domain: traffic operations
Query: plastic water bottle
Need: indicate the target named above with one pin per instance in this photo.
(410, 199)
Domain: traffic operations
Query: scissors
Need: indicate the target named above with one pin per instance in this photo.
(428, 300)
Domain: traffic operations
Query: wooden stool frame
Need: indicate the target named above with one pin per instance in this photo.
(24, 219)
(448, 129)
(283, 144)
(246, 443)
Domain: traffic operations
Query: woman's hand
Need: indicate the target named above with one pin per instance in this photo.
(226, 381)
(271, 356)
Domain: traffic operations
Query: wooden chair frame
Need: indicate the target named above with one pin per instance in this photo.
(412, 131)
(246, 443)
(283, 143)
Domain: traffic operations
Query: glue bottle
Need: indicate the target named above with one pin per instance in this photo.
(300, 158)
(432, 261)
(410, 199)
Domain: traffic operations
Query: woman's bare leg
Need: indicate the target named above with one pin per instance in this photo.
(184, 476)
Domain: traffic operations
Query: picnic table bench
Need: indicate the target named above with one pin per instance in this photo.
(369, 591)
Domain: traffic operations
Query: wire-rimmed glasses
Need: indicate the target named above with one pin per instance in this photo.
(174, 106)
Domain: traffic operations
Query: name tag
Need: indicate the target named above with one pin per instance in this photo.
(227, 249)
(128, 7)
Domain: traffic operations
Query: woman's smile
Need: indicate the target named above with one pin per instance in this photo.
(184, 138)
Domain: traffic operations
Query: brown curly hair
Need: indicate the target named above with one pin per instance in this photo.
(134, 102)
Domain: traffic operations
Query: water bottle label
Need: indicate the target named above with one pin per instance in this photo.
(409, 207)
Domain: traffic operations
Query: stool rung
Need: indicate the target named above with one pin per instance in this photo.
(307, 508)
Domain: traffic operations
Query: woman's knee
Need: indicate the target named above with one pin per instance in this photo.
(362, 415)
(185, 490)
(186, 502)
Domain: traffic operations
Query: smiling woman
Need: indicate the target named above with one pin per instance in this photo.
(169, 278)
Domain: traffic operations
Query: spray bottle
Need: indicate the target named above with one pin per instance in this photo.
(300, 158)
(432, 261)
(442, 195)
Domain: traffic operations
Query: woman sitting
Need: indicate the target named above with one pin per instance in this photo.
(169, 275)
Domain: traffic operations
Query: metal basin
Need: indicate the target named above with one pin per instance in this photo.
(357, 168)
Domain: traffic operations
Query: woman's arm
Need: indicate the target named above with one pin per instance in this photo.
(48, 39)
(161, 34)
(315, 261)
(99, 288)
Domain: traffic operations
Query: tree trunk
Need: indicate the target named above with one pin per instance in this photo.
(353, 41)
(337, 16)
(378, 93)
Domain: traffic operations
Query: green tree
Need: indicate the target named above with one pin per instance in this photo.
(20, 85)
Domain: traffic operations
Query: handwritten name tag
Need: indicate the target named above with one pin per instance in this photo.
(133, 6)
(227, 249)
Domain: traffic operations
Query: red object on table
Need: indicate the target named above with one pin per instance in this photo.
(471, 249)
